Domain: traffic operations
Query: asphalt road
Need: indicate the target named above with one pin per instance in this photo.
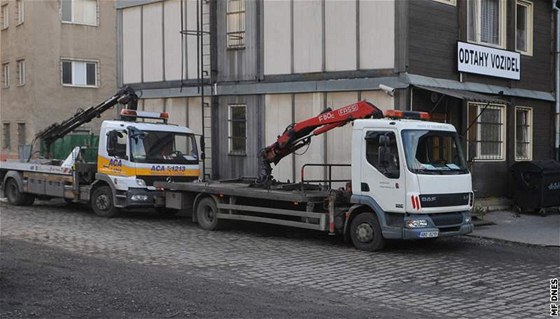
(62, 261)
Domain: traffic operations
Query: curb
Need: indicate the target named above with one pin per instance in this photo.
(511, 242)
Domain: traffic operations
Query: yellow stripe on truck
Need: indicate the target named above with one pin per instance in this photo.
(118, 167)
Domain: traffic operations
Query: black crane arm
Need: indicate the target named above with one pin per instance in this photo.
(125, 96)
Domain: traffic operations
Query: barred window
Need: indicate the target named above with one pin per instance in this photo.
(488, 132)
(523, 134)
(235, 23)
(237, 136)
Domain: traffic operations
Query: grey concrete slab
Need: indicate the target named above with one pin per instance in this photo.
(521, 228)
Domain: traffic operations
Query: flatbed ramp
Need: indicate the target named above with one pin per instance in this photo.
(239, 201)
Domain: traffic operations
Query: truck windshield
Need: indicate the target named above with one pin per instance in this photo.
(163, 147)
(433, 152)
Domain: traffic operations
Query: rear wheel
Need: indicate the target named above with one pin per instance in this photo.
(365, 232)
(207, 214)
(102, 202)
(16, 196)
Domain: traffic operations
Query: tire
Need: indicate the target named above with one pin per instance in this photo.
(206, 214)
(102, 202)
(365, 232)
(16, 196)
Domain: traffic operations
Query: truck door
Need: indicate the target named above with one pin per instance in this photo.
(113, 154)
(382, 171)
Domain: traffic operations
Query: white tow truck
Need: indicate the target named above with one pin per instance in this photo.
(131, 156)
(409, 180)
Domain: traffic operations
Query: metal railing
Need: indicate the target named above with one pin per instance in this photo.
(329, 179)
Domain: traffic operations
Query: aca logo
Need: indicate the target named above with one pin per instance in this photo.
(158, 168)
(115, 162)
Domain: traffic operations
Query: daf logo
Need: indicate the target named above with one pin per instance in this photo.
(428, 199)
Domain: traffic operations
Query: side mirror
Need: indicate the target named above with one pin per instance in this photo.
(112, 138)
(202, 147)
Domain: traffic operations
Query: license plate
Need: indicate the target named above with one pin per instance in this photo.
(429, 234)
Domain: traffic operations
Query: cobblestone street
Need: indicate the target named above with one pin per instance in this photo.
(457, 278)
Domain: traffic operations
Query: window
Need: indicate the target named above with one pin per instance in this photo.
(523, 134)
(6, 135)
(20, 12)
(524, 27)
(20, 64)
(235, 23)
(237, 129)
(5, 17)
(487, 134)
(486, 22)
(21, 133)
(79, 73)
(382, 152)
(79, 11)
(5, 75)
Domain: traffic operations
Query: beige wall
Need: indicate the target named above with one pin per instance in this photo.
(42, 40)
(374, 50)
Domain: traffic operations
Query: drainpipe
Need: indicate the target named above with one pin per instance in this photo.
(555, 4)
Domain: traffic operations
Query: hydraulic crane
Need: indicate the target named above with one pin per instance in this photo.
(299, 134)
(125, 96)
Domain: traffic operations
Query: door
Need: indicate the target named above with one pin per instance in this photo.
(382, 169)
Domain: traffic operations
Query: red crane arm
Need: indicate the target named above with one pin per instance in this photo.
(299, 134)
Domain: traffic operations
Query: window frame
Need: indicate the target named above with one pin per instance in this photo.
(231, 151)
(530, 133)
(502, 25)
(232, 44)
(478, 140)
(20, 12)
(73, 19)
(5, 75)
(529, 18)
(20, 72)
(5, 13)
(85, 61)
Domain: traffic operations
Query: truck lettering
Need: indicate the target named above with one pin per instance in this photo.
(115, 162)
(325, 117)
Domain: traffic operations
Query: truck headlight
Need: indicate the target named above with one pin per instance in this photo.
(140, 182)
(467, 219)
(416, 223)
(139, 197)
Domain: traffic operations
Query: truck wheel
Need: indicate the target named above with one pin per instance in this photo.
(16, 196)
(207, 214)
(366, 232)
(102, 202)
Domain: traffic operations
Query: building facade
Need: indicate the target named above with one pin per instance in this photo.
(240, 71)
(57, 56)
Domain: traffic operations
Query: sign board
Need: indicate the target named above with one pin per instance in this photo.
(479, 59)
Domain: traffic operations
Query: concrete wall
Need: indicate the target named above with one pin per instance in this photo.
(42, 40)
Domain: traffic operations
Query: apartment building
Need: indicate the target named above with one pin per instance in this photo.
(57, 56)
(486, 66)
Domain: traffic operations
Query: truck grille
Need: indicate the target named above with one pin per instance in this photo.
(447, 219)
(441, 200)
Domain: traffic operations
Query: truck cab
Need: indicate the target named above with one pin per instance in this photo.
(132, 155)
(412, 175)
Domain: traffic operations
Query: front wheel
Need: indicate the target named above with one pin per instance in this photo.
(207, 214)
(366, 232)
(102, 202)
(16, 196)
